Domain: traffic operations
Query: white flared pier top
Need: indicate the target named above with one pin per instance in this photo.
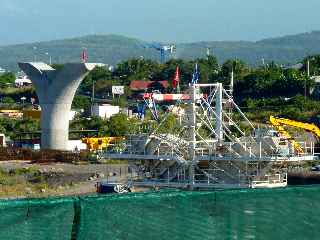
(55, 89)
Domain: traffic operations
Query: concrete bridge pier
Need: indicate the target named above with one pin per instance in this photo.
(56, 89)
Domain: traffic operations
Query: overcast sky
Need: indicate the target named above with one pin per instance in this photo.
(159, 20)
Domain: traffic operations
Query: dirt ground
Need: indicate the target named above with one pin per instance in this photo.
(20, 179)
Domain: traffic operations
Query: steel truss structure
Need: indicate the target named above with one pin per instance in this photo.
(215, 145)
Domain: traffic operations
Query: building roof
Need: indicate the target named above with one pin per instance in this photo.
(143, 85)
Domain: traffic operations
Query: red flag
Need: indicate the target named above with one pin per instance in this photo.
(176, 79)
(84, 56)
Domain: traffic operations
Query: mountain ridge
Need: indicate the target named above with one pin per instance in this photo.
(112, 49)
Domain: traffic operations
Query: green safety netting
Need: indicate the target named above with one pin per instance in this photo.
(36, 219)
(290, 213)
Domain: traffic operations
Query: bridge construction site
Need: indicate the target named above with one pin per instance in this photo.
(215, 146)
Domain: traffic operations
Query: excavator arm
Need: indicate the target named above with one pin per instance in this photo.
(292, 123)
(278, 124)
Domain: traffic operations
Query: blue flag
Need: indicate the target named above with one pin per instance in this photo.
(195, 75)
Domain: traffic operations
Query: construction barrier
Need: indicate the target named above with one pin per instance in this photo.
(289, 213)
(37, 219)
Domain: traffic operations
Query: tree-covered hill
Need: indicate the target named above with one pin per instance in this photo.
(112, 49)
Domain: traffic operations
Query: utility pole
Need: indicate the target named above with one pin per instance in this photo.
(92, 97)
(50, 60)
(305, 81)
(232, 82)
(208, 53)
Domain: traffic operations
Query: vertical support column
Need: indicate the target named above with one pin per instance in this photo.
(55, 125)
(192, 144)
(260, 149)
(219, 126)
(231, 83)
(55, 89)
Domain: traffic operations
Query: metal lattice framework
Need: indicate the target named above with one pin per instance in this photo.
(211, 148)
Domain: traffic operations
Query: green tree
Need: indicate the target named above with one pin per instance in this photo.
(25, 125)
(7, 126)
(81, 102)
(169, 125)
(8, 100)
(137, 69)
(209, 69)
(96, 75)
(272, 81)
(186, 70)
(7, 79)
(94, 123)
(119, 125)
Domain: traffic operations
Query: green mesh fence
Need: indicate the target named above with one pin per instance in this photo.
(291, 213)
(35, 219)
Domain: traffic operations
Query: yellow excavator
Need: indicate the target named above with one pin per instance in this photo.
(99, 143)
(278, 123)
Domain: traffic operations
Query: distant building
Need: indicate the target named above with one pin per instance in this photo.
(148, 86)
(316, 79)
(72, 114)
(104, 111)
(315, 91)
(101, 65)
(106, 66)
(73, 145)
(22, 81)
(2, 70)
(297, 66)
(76, 145)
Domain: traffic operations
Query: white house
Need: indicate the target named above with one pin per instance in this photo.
(22, 81)
(104, 110)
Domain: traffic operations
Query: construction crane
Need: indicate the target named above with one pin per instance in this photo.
(278, 123)
(163, 49)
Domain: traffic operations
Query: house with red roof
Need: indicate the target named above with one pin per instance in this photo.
(148, 86)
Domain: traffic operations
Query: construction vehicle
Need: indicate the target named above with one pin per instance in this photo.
(278, 123)
(100, 143)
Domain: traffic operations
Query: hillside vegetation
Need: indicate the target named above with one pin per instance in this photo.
(112, 49)
(260, 92)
